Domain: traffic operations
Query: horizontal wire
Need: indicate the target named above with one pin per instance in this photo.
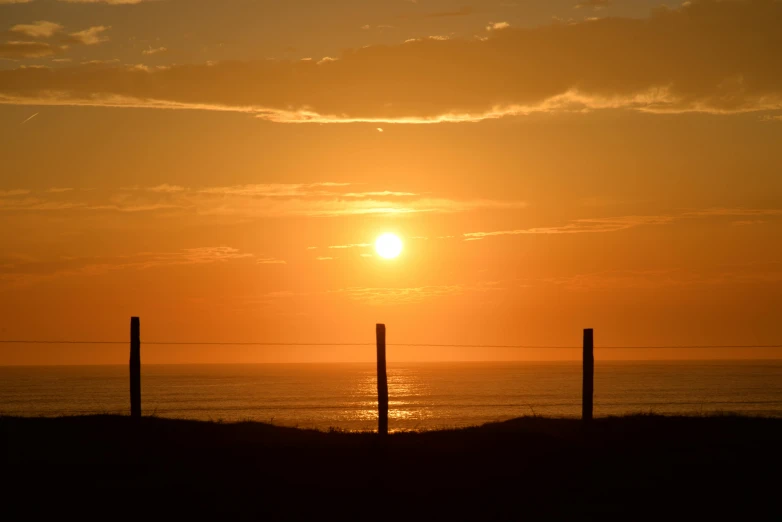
(408, 345)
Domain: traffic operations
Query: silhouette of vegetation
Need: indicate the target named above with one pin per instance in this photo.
(536, 466)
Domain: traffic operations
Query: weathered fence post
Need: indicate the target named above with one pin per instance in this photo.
(382, 382)
(135, 367)
(588, 389)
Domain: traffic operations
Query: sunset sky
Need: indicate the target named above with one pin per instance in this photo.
(222, 168)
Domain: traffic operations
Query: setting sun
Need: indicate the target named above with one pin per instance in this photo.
(388, 246)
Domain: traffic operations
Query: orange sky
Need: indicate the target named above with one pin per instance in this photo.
(221, 168)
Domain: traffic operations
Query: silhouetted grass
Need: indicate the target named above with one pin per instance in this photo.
(533, 465)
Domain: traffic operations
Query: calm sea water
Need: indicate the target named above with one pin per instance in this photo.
(422, 396)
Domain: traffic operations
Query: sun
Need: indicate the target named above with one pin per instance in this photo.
(388, 246)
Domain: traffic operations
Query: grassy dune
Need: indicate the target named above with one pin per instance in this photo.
(532, 467)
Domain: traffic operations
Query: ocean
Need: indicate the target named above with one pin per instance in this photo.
(422, 395)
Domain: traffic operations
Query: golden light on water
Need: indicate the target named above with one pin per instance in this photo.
(388, 246)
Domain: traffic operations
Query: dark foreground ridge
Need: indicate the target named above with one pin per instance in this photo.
(639, 467)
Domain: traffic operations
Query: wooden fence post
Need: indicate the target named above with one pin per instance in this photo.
(382, 382)
(588, 389)
(135, 367)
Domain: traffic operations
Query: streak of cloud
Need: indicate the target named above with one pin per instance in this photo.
(616, 224)
(262, 200)
(30, 118)
(353, 245)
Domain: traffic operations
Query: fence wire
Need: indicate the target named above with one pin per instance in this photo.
(408, 345)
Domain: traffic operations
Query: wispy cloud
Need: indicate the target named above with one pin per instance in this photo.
(615, 224)
(749, 222)
(270, 261)
(390, 296)
(15, 49)
(166, 188)
(22, 271)
(398, 296)
(580, 226)
(91, 36)
(37, 205)
(21, 46)
(275, 190)
(354, 245)
(724, 64)
(324, 199)
(154, 50)
(732, 212)
(39, 29)
(110, 2)
(29, 118)
(497, 26)
(110, 61)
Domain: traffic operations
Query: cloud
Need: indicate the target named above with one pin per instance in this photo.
(580, 226)
(56, 190)
(275, 189)
(21, 271)
(19, 50)
(111, 2)
(92, 36)
(497, 26)
(15, 1)
(384, 193)
(329, 199)
(733, 212)
(352, 245)
(39, 29)
(155, 50)
(29, 118)
(100, 62)
(593, 4)
(36, 205)
(166, 188)
(270, 261)
(616, 224)
(324, 258)
(411, 295)
(204, 255)
(707, 56)
(397, 296)
(14, 192)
